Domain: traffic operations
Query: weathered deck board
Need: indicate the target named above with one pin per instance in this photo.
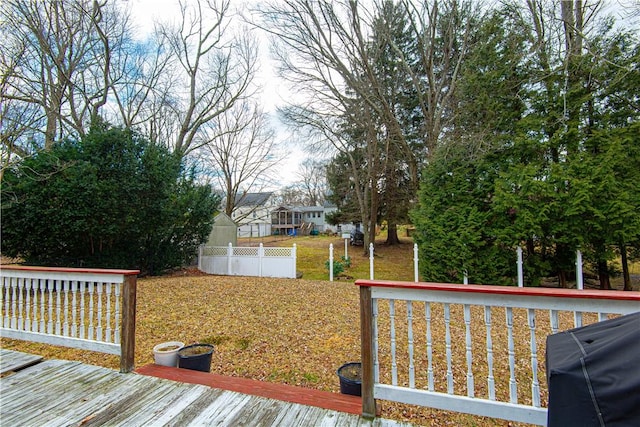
(62, 393)
(15, 360)
(311, 397)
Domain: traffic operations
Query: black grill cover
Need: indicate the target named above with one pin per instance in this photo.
(593, 373)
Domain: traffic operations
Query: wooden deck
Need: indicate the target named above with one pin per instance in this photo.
(287, 393)
(60, 392)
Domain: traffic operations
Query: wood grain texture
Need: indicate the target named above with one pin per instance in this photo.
(287, 393)
(15, 360)
(63, 393)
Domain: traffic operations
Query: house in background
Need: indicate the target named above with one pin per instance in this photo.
(259, 215)
(253, 214)
(286, 220)
(303, 220)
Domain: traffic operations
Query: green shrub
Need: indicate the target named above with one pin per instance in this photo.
(111, 200)
(338, 267)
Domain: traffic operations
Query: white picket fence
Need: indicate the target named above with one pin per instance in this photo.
(89, 309)
(257, 261)
(579, 272)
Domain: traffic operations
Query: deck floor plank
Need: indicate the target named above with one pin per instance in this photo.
(259, 412)
(186, 416)
(63, 393)
(14, 360)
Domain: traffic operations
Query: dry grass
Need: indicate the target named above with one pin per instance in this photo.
(293, 331)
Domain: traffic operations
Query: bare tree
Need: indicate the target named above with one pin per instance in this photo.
(241, 152)
(63, 53)
(143, 76)
(18, 119)
(311, 186)
(313, 181)
(325, 52)
(215, 67)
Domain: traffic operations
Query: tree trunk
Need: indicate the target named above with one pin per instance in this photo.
(562, 279)
(603, 275)
(392, 235)
(625, 267)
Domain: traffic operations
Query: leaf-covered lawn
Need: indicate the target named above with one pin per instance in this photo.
(293, 331)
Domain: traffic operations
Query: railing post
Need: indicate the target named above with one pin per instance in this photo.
(346, 253)
(415, 263)
(371, 261)
(579, 274)
(366, 349)
(294, 256)
(260, 257)
(128, 336)
(331, 262)
(520, 268)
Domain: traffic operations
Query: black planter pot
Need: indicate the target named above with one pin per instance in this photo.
(196, 357)
(349, 384)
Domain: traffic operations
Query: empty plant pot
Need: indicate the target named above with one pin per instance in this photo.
(350, 375)
(166, 353)
(196, 357)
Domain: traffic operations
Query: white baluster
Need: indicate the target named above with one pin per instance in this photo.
(14, 302)
(394, 365)
(107, 337)
(490, 379)
(447, 338)
(74, 308)
(91, 334)
(50, 285)
(412, 377)
(513, 386)
(553, 318)
(82, 287)
(58, 287)
(27, 307)
(577, 319)
(99, 325)
(34, 319)
(20, 303)
(65, 325)
(535, 385)
(43, 288)
(4, 301)
(116, 320)
(427, 307)
(467, 325)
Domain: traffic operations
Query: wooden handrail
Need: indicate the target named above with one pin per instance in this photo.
(504, 290)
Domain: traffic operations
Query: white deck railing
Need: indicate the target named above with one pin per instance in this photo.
(90, 309)
(470, 348)
(256, 261)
